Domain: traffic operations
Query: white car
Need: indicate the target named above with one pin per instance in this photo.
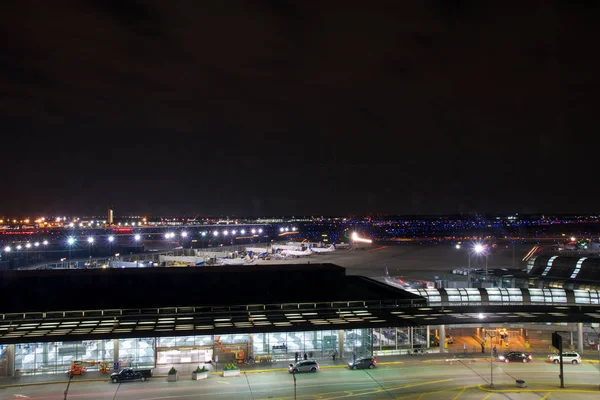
(568, 357)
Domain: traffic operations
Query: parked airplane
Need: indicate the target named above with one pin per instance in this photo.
(321, 250)
(296, 253)
(235, 261)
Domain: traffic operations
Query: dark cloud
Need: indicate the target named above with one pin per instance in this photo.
(288, 107)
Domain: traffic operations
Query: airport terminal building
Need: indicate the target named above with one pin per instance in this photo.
(163, 317)
(172, 316)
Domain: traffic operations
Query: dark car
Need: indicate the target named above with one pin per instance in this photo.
(304, 366)
(364, 362)
(129, 374)
(515, 356)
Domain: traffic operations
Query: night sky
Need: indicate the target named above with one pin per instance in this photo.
(298, 107)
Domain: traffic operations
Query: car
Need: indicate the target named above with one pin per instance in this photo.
(568, 357)
(362, 363)
(515, 356)
(129, 374)
(304, 366)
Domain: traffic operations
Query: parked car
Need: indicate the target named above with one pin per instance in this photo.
(362, 363)
(129, 374)
(304, 366)
(515, 356)
(568, 357)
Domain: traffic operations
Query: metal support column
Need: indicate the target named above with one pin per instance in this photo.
(115, 350)
(10, 360)
(428, 337)
(442, 338)
(580, 338)
(341, 343)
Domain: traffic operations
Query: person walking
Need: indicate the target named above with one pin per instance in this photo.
(354, 356)
(334, 354)
(296, 356)
(495, 351)
(305, 356)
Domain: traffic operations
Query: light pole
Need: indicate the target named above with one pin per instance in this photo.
(137, 239)
(70, 243)
(7, 250)
(27, 247)
(90, 243)
(111, 239)
(184, 235)
(492, 335)
(479, 249)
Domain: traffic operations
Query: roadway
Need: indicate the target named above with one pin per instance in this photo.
(419, 379)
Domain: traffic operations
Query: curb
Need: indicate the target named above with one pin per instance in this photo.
(592, 389)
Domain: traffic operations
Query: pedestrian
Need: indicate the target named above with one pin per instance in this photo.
(310, 354)
(297, 355)
(464, 347)
(354, 356)
(305, 356)
(483, 347)
(334, 354)
(495, 351)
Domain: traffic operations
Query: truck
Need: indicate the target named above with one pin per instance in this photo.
(129, 374)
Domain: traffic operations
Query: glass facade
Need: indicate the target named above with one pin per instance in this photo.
(56, 357)
(393, 339)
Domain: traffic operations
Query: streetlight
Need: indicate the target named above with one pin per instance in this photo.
(70, 243)
(183, 234)
(90, 241)
(111, 239)
(137, 237)
(479, 249)
(492, 335)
